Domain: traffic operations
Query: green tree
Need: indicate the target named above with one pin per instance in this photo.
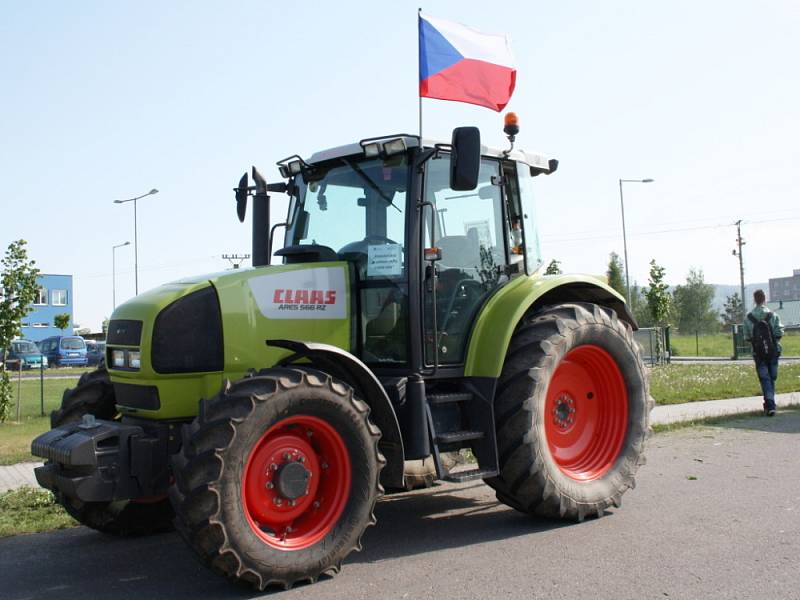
(554, 268)
(732, 311)
(61, 321)
(657, 295)
(658, 302)
(639, 307)
(694, 301)
(614, 274)
(18, 290)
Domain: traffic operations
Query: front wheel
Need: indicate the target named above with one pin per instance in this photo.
(278, 477)
(572, 413)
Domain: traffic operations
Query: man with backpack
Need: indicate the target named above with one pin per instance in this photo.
(762, 328)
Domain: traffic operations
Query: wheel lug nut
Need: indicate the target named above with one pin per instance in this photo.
(292, 503)
(274, 467)
(277, 501)
(301, 459)
(286, 456)
(316, 504)
(309, 433)
(270, 485)
(289, 529)
(324, 465)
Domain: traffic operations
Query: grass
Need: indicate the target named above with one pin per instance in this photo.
(30, 510)
(721, 344)
(673, 384)
(15, 438)
(49, 372)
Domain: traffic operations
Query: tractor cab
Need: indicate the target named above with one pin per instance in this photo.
(430, 231)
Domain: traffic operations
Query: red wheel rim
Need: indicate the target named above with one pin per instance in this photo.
(296, 482)
(586, 415)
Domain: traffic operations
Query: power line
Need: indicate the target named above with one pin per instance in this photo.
(567, 240)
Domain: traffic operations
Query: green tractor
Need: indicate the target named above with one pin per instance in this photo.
(262, 412)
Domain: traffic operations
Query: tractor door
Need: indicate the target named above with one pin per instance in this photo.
(472, 231)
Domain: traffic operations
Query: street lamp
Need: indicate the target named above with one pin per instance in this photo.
(135, 235)
(114, 271)
(624, 237)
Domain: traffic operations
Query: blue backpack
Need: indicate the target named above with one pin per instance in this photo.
(763, 340)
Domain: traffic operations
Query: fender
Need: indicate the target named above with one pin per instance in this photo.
(343, 365)
(499, 317)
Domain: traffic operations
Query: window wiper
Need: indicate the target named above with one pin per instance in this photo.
(374, 186)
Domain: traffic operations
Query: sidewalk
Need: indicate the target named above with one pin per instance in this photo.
(691, 411)
(14, 476)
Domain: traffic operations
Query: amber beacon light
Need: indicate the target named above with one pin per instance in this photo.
(511, 125)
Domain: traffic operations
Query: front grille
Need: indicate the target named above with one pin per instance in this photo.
(144, 397)
(124, 332)
(187, 336)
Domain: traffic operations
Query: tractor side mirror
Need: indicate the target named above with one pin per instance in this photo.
(241, 198)
(465, 161)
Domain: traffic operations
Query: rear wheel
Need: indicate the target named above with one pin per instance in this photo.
(94, 395)
(572, 413)
(278, 477)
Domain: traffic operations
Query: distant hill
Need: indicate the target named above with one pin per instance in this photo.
(721, 292)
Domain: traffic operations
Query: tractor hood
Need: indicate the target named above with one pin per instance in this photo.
(202, 330)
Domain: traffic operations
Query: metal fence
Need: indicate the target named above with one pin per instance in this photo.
(655, 344)
(741, 348)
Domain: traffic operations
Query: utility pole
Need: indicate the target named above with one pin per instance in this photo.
(236, 259)
(740, 242)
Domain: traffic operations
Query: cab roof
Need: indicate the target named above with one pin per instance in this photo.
(537, 161)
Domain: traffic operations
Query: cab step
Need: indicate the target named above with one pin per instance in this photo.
(470, 475)
(457, 437)
(438, 399)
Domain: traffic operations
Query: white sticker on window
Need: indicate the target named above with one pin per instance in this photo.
(318, 293)
(384, 260)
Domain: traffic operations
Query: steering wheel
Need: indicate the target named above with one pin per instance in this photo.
(381, 239)
(357, 252)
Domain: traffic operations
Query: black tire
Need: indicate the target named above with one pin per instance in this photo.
(208, 496)
(94, 395)
(530, 479)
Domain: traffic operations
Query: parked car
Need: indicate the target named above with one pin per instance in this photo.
(24, 353)
(64, 350)
(95, 352)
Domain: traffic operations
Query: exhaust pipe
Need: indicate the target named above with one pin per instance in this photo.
(260, 253)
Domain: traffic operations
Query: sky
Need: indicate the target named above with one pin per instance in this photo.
(102, 101)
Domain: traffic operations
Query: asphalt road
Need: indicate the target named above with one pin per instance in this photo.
(716, 514)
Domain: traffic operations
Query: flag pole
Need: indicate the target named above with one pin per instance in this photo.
(419, 72)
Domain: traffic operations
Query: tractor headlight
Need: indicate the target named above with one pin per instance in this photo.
(118, 359)
(394, 146)
(126, 359)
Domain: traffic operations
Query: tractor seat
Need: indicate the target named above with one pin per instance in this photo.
(460, 251)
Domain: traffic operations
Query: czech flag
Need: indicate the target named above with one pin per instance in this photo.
(464, 65)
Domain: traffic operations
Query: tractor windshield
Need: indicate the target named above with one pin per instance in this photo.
(356, 207)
